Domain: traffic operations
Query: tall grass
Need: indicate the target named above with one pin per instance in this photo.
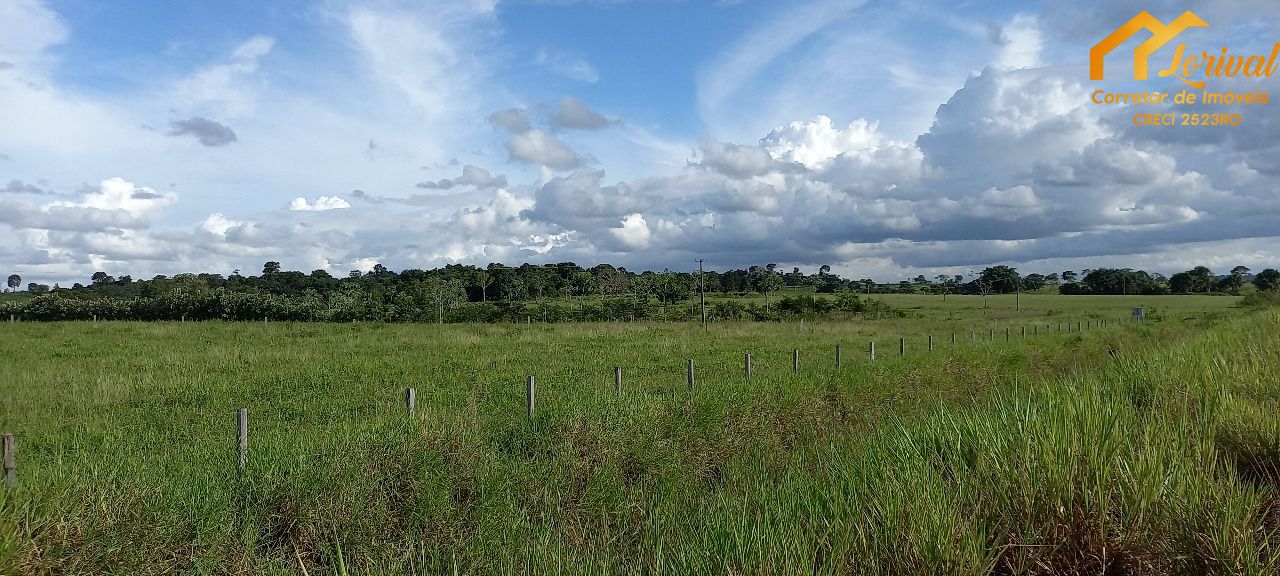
(1134, 449)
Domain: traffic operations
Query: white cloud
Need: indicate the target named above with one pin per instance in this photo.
(538, 147)
(1020, 43)
(426, 51)
(321, 204)
(27, 29)
(227, 88)
(634, 232)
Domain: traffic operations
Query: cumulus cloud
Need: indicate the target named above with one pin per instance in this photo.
(633, 233)
(574, 114)
(321, 204)
(471, 176)
(538, 147)
(207, 132)
(514, 120)
(111, 210)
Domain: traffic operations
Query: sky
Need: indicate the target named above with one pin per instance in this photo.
(885, 139)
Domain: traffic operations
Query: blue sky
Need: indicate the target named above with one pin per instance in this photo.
(885, 139)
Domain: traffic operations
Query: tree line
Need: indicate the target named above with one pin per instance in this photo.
(554, 293)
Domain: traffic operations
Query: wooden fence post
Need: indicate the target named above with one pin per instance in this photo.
(953, 338)
(872, 348)
(902, 346)
(242, 437)
(691, 374)
(1024, 332)
(10, 462)
(746, 365)
(795, 361)
(1006, 333)
(410, 398)
(931, 342)
(838, 362)
(530, 396)
(617, 380)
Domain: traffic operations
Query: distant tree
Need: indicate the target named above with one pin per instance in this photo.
(443, 295)
(1181, 283)
(379, 270)
(612, 281)
(100, 278)
(669, 288)
(483, 281)
(355, 274)
(767, 282)
(14, 282)
(1203, 278)
(1068, 276)
(1268, 279)
(1198, 279)
(1001, 279)
(1115, 281)
(582, 283)
(270, 268)
(824, 270)
(1235, 281)
(1034, 281)
(37, 288)
(1052, 279)
(771, 267)
(921, 280)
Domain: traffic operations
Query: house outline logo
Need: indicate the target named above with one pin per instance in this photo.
(1161, 34)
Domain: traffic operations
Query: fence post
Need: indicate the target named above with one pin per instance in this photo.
(747, 365)
(1024, 332)
(931, 342)
(410, 398)
(973, 336)
(10, 462)
(530, 396)
(242, 437)
(1006, 333)
(902, 346)
(872, 348)
(838, 362)
(617, 380)
(690, 374)
(1035, 330)
(991, 334)
(795, 361)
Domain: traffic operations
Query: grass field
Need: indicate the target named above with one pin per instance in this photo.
(1132, 448)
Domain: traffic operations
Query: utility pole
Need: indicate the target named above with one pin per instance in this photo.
(702, 293)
